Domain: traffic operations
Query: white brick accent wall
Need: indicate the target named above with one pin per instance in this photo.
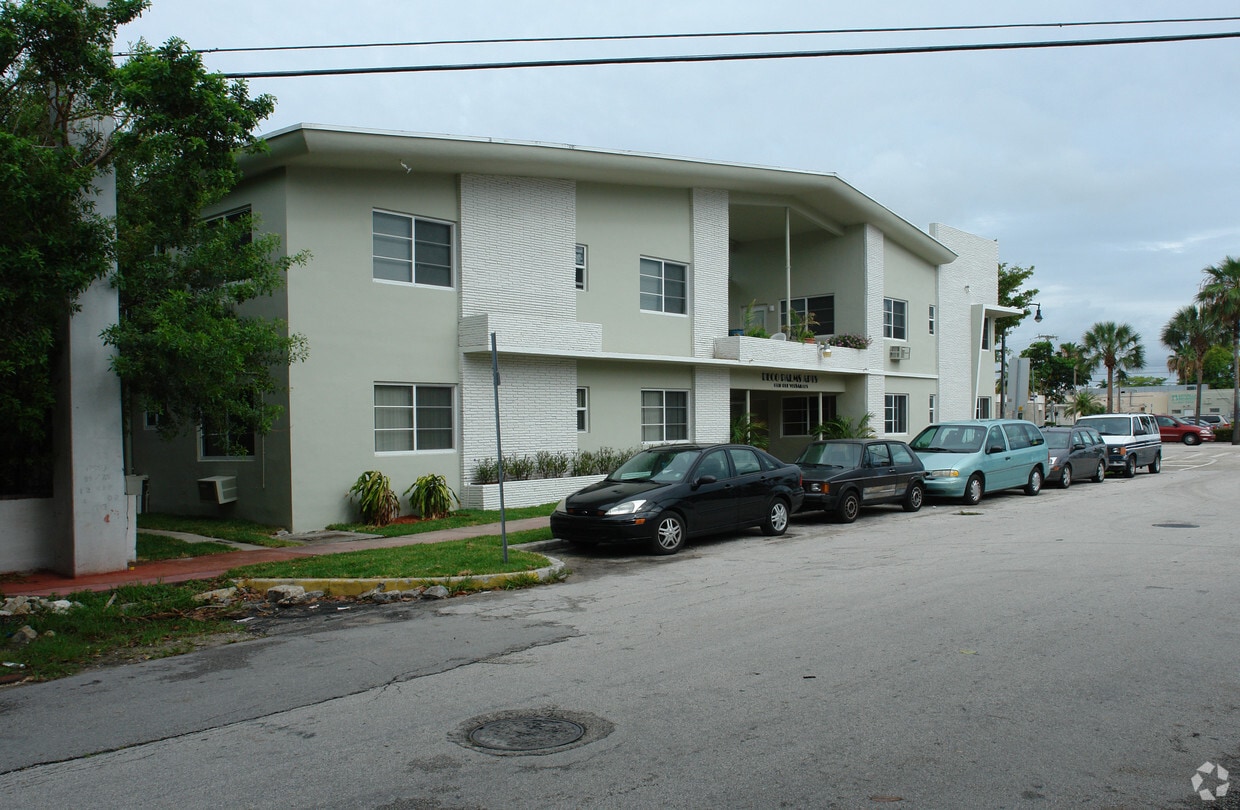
(711, 404)
(875, 286)
(524, 493)
(517, 236)
(971, 280)
(537, 401)
(529, 334)
(710, 269)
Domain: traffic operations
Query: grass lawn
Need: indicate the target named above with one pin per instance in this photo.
(153, 547)
(148, 621)
(239, 531)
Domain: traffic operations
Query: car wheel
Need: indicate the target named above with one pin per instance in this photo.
(1191, 438)
(1035, 482)
(1156, 465)
(1065, 481)
(669, 534)
(1130, 469)
(848, 508)
(914, 498)
(973, 491)
(1100, 474)
(776, 522)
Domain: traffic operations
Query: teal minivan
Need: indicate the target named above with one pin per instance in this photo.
(967, 459)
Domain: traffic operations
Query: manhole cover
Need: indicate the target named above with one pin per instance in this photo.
(527, 733)
(1176, 526)
(532, 732)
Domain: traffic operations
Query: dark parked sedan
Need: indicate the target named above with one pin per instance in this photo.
(665, 495)
(842, 475)
(1076, 452)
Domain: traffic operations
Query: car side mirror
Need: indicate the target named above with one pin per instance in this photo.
(1078, 446)
(705, 479)
(994, 448)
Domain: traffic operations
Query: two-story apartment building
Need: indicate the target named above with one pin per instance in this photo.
(615, 284)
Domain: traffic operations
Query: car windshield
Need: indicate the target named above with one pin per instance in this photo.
(1056, 440)
(662, 466)
(844, 456)
(949, 439)
(1112, 426)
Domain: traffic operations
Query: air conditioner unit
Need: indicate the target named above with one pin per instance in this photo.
(218, 488)
(898, 352)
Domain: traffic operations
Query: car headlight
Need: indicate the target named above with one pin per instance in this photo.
(943, 473)
(1054, 461)
(627, 508)
(562, 506)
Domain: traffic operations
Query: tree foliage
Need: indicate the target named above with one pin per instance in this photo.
(1115, 346)
(1189, 334)
(1051, 371)
(1220, 295)
(169, 131)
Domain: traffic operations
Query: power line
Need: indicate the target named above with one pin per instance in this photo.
(713, 35)
(729, 57)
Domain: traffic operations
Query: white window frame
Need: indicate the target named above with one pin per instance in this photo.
(581, 258)
(583, 409)
(931, 323)
(412, 428)
(412, 242)
(662, 425)
(661, 278)
(894, 322)
(895, 414)
(980, 412)
(933, 407)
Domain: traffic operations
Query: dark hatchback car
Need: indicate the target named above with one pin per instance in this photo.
(843, 475)
(1076, 452)
(665, 495)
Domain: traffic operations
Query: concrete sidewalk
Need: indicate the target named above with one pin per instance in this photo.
(42, 583)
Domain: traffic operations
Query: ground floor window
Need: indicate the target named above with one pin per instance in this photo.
(583, 410)
(932, 408)
(801, 415)
(983, 408)
(895, 413)
(231, 442)
(413, 417)
(665, 416)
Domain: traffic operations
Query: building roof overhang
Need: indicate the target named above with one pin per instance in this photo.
(812, 194)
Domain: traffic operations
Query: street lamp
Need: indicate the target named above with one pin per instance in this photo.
(1037, 318)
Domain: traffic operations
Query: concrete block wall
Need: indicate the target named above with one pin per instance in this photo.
(710, 269)
(537, 401)
(971, 280)
(517, 236)
(875, 291)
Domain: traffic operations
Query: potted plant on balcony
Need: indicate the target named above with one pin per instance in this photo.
(803, 327)
(748, 327)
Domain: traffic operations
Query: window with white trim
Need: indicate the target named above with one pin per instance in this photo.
(822, 307)
(931, 324)
(583, 410)
(579, 262)
(665, 415)
(895, 413)
(932, 408)
(796, 415)
(413, 417)
(664, 286)
(411, 250)
(983, 408)
(895, 319)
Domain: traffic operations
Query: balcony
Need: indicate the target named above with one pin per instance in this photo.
(785, 354)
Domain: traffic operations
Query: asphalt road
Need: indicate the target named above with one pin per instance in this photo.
(1075, 649)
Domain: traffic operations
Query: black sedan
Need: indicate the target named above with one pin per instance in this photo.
(665, 495)
(842, 475)
(1076, 452)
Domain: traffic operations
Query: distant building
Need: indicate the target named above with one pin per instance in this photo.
(617, 285)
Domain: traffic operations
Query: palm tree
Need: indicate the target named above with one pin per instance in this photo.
(1114, 346)
(1082, 368)
(1220, 295)
(1190, 333)
(1083, 403)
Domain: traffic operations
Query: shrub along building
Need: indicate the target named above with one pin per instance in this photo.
(618, 287)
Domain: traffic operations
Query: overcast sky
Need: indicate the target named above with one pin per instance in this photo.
(1114, 171)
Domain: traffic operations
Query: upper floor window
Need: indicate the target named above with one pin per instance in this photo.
(932, 409)
(931, 324)
(664, 286)
(413, 417)
(985, 333)
(229, 441)
(580, 264)
(411, 250)
(895, 319)
(822, 307)
(583, 410)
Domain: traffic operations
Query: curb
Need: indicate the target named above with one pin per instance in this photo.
(357, 587)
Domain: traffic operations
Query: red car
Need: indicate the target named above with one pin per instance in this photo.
(1174, 429)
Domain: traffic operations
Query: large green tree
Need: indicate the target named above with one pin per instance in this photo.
(1011, 279)
(1220, 295)
(1115, 346)
(1052, 373)
(1189, 334)
(69, 114)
